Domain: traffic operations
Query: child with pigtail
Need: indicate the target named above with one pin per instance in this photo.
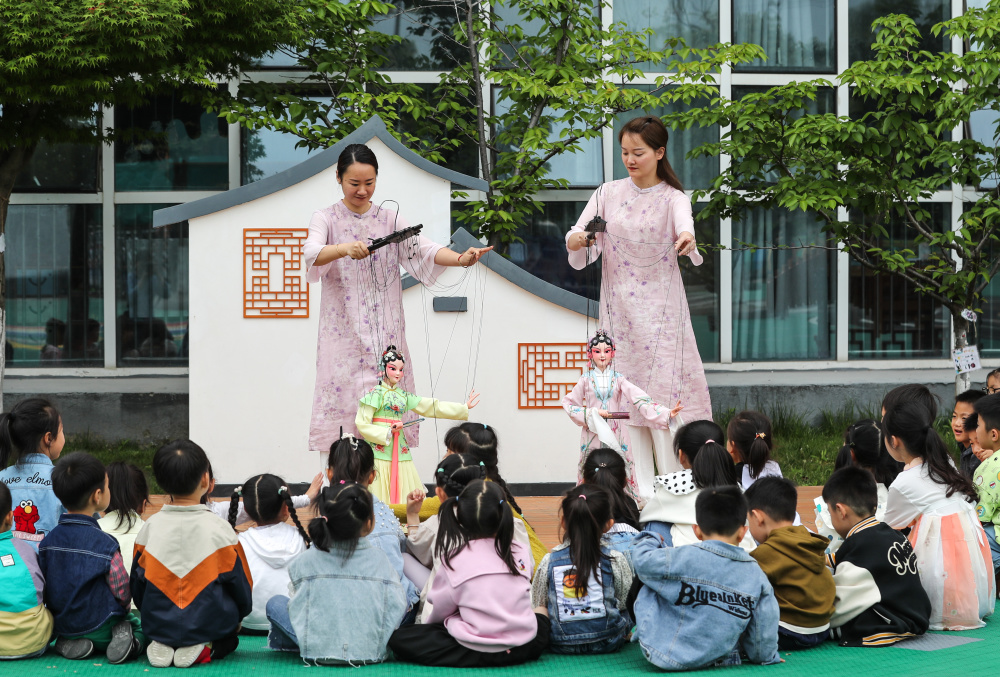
(481, 594)
(271, 545)
(584, 583)
(353, 460)
(452, 475)
(346, 598)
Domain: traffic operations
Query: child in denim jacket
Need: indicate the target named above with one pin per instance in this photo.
(31, 439)
(87, 584)
(583, 582)
(704, 603)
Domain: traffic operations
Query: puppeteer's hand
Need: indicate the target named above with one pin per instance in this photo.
(472, 255)
(415, 501)
(473, 399)
(676, 410)
(603, 413)
(685, 244)
(578, 241)
(356, 250)
(396, 425)
(313, 491)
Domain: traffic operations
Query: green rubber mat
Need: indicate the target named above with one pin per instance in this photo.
(253, 658)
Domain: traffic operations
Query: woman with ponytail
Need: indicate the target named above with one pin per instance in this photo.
(583, 582)
(480, 441)
(481, 594)
(345, 595)
(937, 503)
(647, 226)
(700, 449)
(271, 545)
(750, 444)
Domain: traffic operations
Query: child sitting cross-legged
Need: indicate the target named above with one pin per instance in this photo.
(794, 561)
(86, 583)
(269, 546)
(346, 596)
(190, 577)
(25, 623)
(703, 603)
(880, 600)
(481, 595)
(583, 582)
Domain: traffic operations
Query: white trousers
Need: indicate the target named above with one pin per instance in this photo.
(652, 455)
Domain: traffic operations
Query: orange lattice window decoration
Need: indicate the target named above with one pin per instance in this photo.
(274, 284)
(546, 372)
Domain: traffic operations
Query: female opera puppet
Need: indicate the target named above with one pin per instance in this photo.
(598, 404)
(380, 421)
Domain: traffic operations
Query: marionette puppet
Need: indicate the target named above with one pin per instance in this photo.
(598, 405)
(380, 422)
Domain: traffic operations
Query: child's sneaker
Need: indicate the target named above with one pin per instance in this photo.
(74, 649)
(160, 655)
(123, 643)
(186, 656)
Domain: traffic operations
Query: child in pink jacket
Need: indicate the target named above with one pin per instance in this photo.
(482, 615)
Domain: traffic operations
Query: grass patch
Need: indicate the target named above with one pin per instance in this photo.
(806, 452)
(141, 454)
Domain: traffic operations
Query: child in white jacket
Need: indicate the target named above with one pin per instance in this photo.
(271, 545)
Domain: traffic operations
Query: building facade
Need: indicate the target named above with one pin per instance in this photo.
(95, 293)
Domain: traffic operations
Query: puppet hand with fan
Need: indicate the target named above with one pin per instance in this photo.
(598, 405)
(380, 422)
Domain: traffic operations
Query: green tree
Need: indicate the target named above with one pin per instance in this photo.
(559, 74)
(866, 176)
(62, 59)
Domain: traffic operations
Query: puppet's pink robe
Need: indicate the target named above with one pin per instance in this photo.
(351, 339)
(643, 304)
(612, 393)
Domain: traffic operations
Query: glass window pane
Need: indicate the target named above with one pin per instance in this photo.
(277, 60)
(151, 288)
(697, 21)
(698, 173)
(584, 168)
(985, 331)
(784, 301)
(701, 285)
(925, 13)
(267, 152)
(426, 31)
(61, 168)
(170, 145)
(798, 36)
(55, 286)
(887, 317)
(983, 126)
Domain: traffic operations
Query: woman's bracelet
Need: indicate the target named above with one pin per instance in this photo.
(460, 260)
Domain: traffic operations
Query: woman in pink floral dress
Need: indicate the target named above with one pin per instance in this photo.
(643, 304)
(361, 310)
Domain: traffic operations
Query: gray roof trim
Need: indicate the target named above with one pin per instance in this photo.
(462, 240)
(373, 128)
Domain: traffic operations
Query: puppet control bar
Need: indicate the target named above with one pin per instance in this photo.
(397, 236)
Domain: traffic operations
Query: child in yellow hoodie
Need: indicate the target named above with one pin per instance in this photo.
(794, 561)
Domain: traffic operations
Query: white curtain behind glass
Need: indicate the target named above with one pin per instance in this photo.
(794, 33)
(782, 299)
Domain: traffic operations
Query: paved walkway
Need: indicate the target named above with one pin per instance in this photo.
(543, 512)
